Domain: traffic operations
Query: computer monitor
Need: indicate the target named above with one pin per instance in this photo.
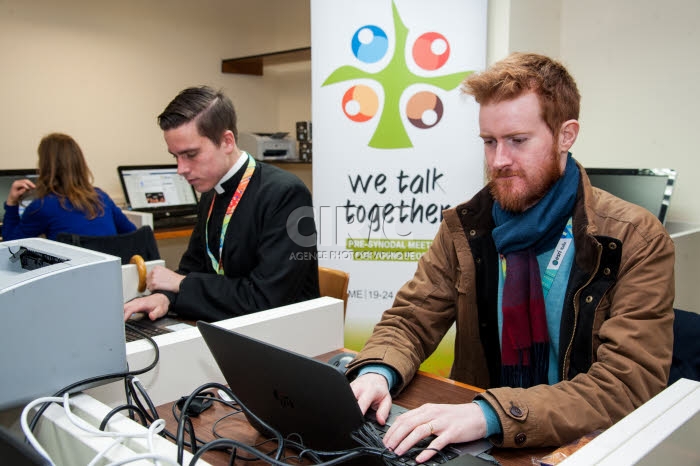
(650, 188)
(157, 189)
(7, 177)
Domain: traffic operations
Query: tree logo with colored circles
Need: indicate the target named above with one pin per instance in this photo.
(423, 110)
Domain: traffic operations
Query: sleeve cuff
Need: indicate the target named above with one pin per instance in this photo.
(11, 208)
(381, 369)
(168, 294)
(493, 424)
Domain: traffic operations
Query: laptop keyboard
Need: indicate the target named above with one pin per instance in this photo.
(445, 456)
(145, 326)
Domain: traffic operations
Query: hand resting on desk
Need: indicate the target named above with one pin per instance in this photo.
(449, 423)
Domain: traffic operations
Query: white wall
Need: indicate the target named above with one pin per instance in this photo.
(102, 71)
(637, 67)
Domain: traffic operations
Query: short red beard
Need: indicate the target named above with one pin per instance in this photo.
(517, 201)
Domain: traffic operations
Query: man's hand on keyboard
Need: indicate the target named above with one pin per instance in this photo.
(160, 278)
(449, 423)
(155, 305)
(372, 391)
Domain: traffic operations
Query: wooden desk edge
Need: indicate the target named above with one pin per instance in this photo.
(170, 233)
(451, 382)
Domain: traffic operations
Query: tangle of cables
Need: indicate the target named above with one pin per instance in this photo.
(140, 408)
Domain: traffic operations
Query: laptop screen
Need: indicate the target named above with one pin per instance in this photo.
(156, 188)
(650, 188)
(7, 177)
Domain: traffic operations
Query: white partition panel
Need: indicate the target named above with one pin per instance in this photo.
(69, 445)
(310, 328)
(642, 434)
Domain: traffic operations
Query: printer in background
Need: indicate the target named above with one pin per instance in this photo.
(268, 146)
(62, 318)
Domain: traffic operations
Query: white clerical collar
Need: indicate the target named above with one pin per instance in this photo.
(236, 166)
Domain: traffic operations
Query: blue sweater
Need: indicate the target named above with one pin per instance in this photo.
(46, 216)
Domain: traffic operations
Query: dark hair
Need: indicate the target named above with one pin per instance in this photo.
(64, 172)
(212, 110)
(522, 72)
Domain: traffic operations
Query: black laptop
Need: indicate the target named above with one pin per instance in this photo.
(159, 190)
(296, 394)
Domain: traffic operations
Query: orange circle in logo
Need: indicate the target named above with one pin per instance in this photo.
(360, 103)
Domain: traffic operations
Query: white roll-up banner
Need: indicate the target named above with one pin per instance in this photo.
(395, 140)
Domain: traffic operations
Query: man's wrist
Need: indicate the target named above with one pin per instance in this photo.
(493, 424)
(168, 294)
(381, 369)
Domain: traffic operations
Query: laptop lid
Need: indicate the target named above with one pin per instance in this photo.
(650, 188)
(157, 189)
(290, 392)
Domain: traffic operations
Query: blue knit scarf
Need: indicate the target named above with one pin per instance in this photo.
(520, 238)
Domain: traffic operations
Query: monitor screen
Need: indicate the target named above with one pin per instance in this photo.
(650, 188)
(156, 187)
(7, 177)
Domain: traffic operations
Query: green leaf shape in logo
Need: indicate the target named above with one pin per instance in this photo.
(395, 78)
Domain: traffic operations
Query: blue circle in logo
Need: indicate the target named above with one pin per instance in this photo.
(369, 44)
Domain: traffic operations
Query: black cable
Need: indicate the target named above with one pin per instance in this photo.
(225, 389)
(219, 444)
(92, 380)
(233, 455)
(367, 436)
(190, 432)
(136, 389)
(176, 416)
(131, 408)
(127, 395)
(221, 419)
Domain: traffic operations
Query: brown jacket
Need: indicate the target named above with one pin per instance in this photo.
(617, 321)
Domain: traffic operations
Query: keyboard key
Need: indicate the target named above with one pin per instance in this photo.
(147, 327)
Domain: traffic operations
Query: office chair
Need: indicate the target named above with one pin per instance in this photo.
(141, 242)
(334, 283)
(686, 346)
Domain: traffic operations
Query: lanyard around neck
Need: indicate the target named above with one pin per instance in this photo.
(240, 189)
(555, 261)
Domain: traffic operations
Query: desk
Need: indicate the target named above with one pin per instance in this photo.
(423, 389)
